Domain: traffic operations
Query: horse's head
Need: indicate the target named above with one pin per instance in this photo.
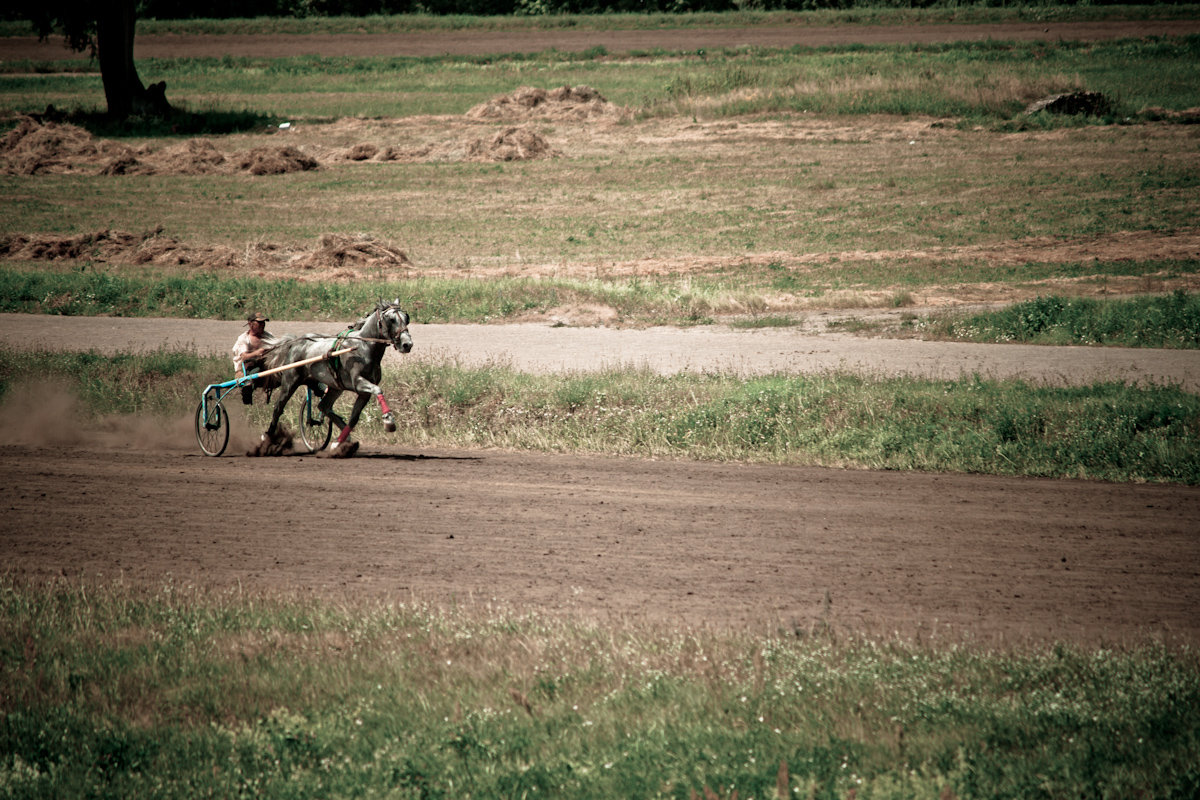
(394, 324)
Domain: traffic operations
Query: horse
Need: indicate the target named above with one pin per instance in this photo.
(358, 371)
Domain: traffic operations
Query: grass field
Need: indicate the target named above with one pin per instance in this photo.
(781, 179)
(114, 691)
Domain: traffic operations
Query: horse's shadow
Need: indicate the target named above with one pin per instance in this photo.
(412, 457)
(392, 457)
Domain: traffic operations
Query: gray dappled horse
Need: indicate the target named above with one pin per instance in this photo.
(357, 371)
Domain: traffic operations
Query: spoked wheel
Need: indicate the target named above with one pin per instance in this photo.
(316, 428)
(212, 429)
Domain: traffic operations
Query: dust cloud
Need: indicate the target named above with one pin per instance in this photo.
(47, 413)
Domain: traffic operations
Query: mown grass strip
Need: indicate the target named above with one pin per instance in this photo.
(1106, 431)
(179, 692)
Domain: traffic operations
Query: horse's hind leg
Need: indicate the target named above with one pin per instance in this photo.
(343, 448)
(274, 443)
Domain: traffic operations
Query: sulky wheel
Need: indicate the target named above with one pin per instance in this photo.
(316, 428)
(212, 431)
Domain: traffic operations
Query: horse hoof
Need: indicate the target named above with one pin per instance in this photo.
(342, 450)
(389, 426)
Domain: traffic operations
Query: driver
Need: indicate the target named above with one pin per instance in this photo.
(248, 352)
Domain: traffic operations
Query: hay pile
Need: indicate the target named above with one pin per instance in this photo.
(511, 144)
(51, 148)
(339, 251)
(103, 245)
(336, 254)
(193, 157)
(34, 148)
(563, 103)
(275, 161)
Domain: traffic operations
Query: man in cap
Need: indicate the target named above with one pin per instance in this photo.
(248, 352)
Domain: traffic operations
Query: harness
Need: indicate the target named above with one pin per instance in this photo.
(336, 361)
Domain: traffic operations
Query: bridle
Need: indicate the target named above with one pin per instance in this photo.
(394, 341)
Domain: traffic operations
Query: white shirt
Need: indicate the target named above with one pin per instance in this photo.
(246, 343)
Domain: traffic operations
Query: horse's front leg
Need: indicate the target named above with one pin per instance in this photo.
(362, 385)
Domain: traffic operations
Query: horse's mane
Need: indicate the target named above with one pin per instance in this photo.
(290, 347)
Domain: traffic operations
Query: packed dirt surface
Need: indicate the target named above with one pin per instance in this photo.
(705, 545)
(710, 545)
(436, 43)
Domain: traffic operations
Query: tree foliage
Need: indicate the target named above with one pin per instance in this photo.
(106, 27)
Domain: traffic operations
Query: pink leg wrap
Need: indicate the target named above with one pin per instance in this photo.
(383, 404)
(344, 435)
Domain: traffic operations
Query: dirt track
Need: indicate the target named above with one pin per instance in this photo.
(702, 544)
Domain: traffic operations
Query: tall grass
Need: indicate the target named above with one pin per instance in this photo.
(1156, 321)
(1105, 431)
(112, 691)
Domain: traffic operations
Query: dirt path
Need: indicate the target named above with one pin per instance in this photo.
(618, 42)
(724, 545)
(543, 348)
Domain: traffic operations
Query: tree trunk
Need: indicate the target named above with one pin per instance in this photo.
(123, 89)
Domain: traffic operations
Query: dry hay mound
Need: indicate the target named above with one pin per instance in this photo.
(566, 102)
(1092, 104)
(126, 163)
(37, 148)
(105, 245)
(362, 152)
(512, 144)
(275, 161)
(347, 254)
(193, 157)
(338, 250)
